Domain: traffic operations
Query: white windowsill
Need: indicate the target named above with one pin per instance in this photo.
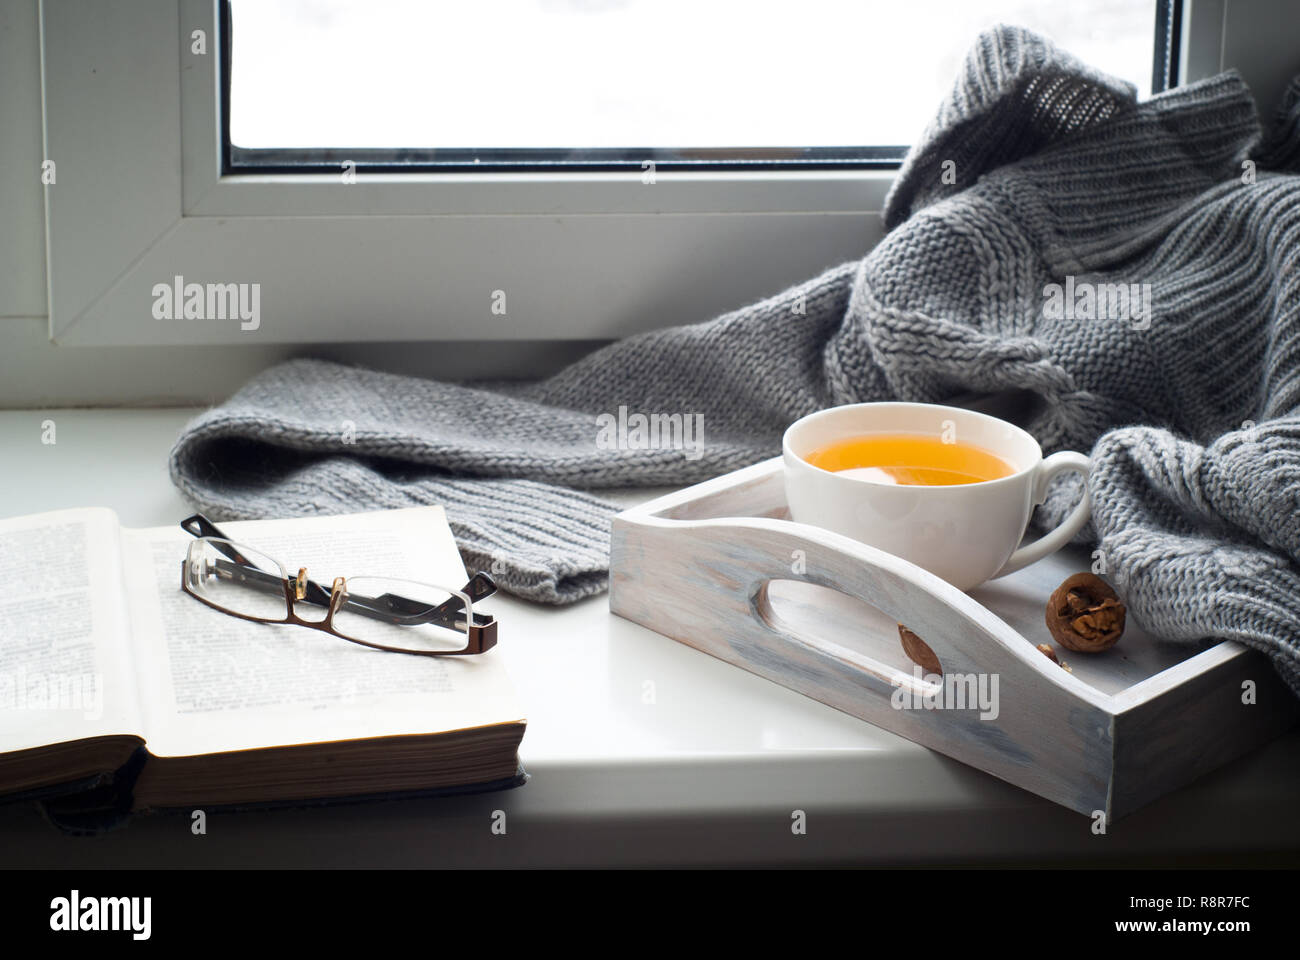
(707, 775)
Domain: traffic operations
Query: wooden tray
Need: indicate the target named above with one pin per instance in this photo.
(719, 566)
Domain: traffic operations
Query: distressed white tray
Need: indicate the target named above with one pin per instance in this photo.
(719, 566)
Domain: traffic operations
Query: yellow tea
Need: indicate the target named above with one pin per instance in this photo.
(910, 458)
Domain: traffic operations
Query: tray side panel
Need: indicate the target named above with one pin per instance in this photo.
(1193, 727)
(757, 491)
(703, 584)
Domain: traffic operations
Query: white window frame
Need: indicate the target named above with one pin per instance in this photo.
(133, 125)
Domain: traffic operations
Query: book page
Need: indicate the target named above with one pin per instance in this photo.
(213, 683)
(65, 665)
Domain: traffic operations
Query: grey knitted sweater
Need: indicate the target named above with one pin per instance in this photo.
(1036, 171)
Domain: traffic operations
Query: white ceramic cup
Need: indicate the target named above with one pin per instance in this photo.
(965, 533)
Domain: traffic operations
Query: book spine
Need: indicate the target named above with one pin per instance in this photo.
(104, 807)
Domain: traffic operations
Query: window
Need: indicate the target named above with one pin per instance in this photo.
(601, 84)
(489, 221)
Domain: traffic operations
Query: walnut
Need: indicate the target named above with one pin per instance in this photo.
(918, 651)
(1048, 652)
(1085, 615)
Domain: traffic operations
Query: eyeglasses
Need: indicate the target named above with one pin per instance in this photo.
(400, 616)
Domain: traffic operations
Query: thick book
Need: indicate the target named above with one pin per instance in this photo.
(117, 687)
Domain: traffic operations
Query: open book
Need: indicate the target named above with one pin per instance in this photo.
(105, 661)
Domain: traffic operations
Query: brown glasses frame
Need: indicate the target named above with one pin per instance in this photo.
(480, 632)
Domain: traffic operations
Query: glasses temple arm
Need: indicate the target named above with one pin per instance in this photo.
(411, 612)
(200, 526)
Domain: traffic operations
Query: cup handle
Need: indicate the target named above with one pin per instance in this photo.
(1053, 540)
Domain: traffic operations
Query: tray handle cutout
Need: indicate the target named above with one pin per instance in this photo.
(845, 627)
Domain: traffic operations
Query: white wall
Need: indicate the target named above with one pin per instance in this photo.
(22, 210)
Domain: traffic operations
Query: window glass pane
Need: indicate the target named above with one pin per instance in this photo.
(575, 74)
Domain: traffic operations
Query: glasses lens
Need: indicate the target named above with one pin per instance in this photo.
(404, 615)
(250, 586)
